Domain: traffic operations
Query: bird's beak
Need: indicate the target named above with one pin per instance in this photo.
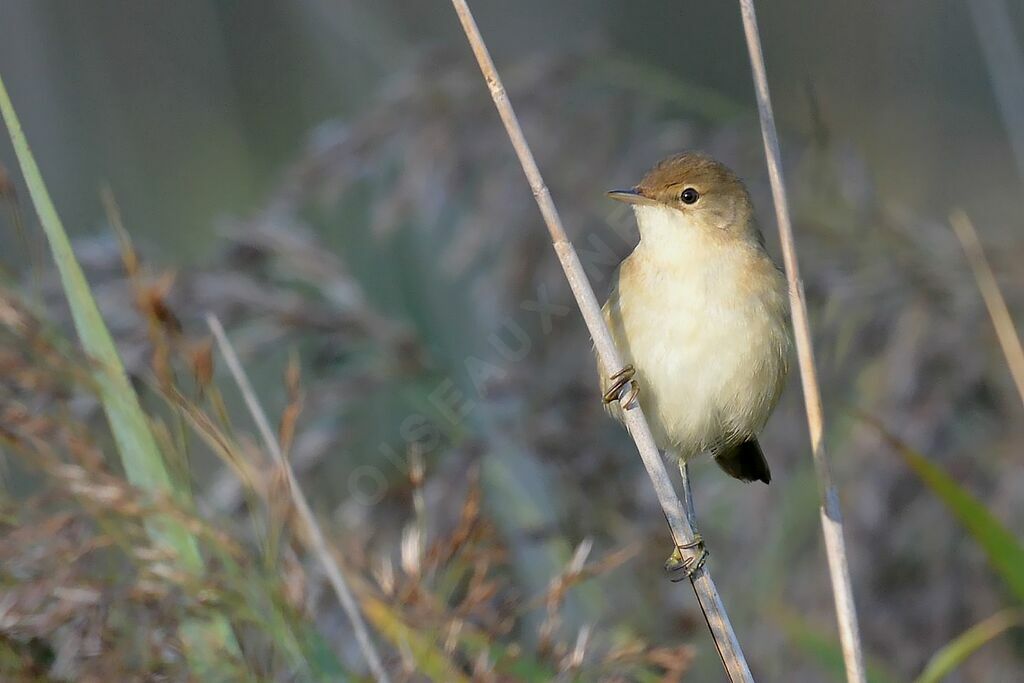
(633, 196)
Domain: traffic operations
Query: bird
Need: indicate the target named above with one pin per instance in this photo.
(699, 313)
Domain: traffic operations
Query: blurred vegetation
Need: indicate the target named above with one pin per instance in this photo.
(494, 524)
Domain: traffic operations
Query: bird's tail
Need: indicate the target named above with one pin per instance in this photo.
(745, 462)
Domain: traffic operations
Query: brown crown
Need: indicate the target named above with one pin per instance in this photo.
(670, 176)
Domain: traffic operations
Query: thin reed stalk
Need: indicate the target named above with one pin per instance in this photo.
(993, 27)
(993, 296)
(679, 525)
(831, 517)
(314, 535)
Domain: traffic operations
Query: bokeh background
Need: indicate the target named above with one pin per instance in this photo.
(330, 178)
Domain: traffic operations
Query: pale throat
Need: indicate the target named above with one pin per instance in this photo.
(670, 235)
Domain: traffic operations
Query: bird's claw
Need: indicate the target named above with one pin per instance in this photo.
(681, 567)
(618, 382)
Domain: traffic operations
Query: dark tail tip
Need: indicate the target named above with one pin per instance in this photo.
(745, 462)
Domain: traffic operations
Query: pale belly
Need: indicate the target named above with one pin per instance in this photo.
(710, 351)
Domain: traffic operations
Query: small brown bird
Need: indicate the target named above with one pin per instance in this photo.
(699, 310)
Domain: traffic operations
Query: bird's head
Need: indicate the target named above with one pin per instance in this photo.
(692, 191)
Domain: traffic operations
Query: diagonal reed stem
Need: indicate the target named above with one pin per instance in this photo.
(993, 296)
(682, 532)
(314, 535)
(831, 517)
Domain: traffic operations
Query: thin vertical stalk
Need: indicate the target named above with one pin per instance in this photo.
(831, 517)
(314, 535)
(1001, 50)
(682, 532)
(993, 296)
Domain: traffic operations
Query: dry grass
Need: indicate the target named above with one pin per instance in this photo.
(383, 281)
(86, 596)
(995, 302)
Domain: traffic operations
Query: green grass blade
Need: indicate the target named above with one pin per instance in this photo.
(140, 456)
(1004, 550)
(946, 660)
(142, 461)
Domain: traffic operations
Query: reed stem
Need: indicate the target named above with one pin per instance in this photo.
(314, 535)
(831, 517)
(1006, 331)
(993, 26)
(682, 533)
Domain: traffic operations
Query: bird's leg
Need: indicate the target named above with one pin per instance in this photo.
(617, 382)
(678, 565)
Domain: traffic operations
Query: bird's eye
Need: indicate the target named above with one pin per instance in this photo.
(689, 196)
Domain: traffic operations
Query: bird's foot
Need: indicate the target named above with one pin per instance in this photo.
(679, 566)
(618, 382)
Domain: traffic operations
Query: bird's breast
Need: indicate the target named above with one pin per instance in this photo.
(708, 336)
